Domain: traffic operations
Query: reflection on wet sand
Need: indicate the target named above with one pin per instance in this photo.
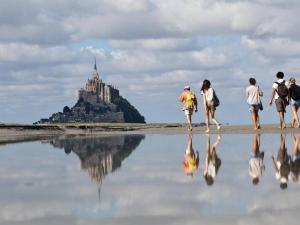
(35, 180)
(256, 162)
(282, 163)
(191, 163)
(100, 156)
(295, 161)
(212, 161)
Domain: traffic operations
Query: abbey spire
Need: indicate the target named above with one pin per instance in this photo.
(95, 72)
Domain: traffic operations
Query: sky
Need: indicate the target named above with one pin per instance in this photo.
(148, 49)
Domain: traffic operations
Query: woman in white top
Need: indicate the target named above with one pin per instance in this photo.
(253, 99)
(209, 103)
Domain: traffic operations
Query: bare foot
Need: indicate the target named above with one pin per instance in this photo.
(218, 127)
(207, 131)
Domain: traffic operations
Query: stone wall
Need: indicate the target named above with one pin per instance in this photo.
(88, 96)
(96, 91)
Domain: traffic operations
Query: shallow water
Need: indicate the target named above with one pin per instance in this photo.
(141, 180)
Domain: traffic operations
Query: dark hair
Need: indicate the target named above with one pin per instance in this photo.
(209, 179)
(255, 181)
(205, 85)
(280, 75)
(252, 81)
(283, 186)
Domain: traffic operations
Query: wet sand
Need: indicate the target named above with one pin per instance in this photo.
(11, 133)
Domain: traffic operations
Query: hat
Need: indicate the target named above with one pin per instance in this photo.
(187, 88)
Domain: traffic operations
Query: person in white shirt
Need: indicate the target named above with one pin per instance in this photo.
(253, 99)
(280, 93)
(209, 102)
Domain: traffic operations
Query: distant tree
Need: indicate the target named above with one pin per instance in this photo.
(88, 107)
(131, 114)
(66, 109)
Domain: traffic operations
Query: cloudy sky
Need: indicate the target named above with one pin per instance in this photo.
(149, 49)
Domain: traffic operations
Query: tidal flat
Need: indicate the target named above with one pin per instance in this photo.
(145, 179)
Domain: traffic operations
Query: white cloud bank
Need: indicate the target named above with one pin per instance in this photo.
(144, 47)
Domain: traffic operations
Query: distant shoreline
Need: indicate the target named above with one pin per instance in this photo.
(11, 133)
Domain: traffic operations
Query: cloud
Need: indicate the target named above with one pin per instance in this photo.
(273, 46)
(146, 48)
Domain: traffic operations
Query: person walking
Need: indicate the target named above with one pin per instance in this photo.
(190, 104)
(210, 102)
(253, 95)
(294, 99)
(280, 93)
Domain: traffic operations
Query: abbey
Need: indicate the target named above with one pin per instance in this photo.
(97, 102)
(96, 91)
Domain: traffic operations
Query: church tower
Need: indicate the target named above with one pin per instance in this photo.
(95, 74)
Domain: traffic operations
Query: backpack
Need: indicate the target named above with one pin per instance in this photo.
(190, 100)
(282, 90)
(295, 92)
(215, 99)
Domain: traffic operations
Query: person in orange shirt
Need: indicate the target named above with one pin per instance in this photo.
(190, 104)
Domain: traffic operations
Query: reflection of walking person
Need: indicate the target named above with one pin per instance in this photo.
(210, 102)
(191, 163)
(256, 162)
(282, 163)
(190, 104)
(295, 162)
(212, 161)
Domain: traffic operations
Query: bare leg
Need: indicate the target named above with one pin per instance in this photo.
(189, 120)
(254, 119)
(255, 144)
(281, 117)
(207, 153)
(213, 118)
(295, 115)
(207, 120)
(257, 120)
(218, 140)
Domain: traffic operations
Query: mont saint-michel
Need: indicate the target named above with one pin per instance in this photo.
(97, 102)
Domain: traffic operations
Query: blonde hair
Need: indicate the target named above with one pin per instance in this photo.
(292, 80)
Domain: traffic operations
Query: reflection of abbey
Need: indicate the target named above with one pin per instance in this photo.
(96, 91)
(100, 156)
(98, 102)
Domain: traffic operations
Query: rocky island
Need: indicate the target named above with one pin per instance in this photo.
(97, 102)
